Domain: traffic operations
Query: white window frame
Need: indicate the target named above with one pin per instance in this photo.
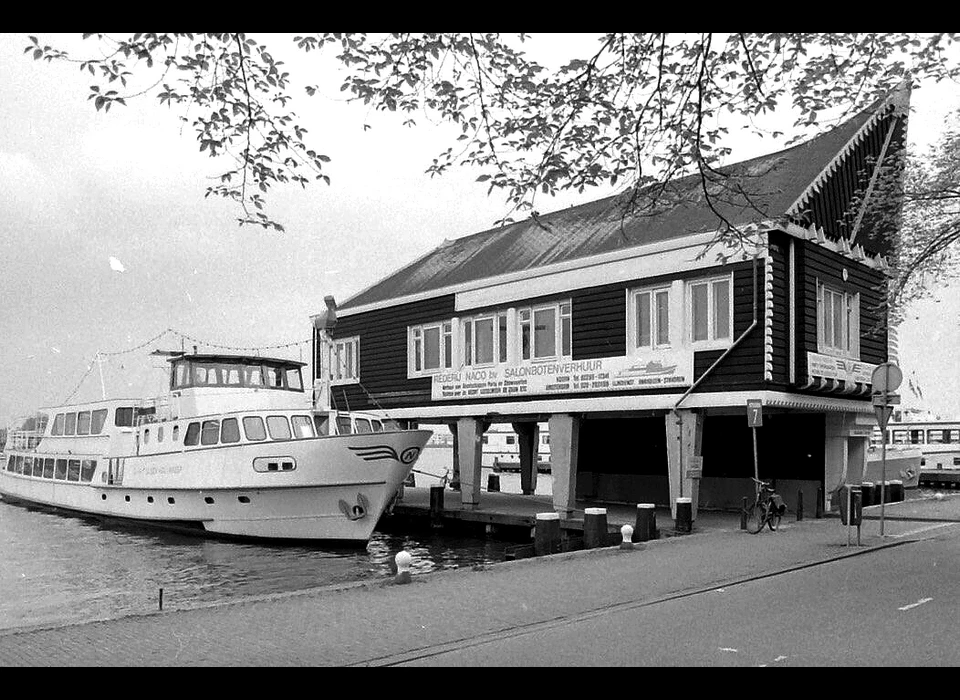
(526, 316)
(343, 360)
(711, 341)
(849, 346)
(416, 360)
(468, 336)
(656, 343)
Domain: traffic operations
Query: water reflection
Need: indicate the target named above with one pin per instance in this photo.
(68, 568)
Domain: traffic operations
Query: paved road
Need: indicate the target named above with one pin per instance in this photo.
(890, 606)
(587, 601)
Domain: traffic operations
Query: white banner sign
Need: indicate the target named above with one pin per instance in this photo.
(838, 368)
(567, 377)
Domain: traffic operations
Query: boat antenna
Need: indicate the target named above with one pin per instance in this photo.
(103, 388)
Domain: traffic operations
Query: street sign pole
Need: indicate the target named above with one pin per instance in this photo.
(885, 380)
(755, 420)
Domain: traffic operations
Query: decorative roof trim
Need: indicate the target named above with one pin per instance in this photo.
(814, 187)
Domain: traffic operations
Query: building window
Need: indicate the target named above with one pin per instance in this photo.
(649, 318)
(344, 360)
(545, 331)
(838, 322)
(485, 339)
(431, 348)
(711, 310)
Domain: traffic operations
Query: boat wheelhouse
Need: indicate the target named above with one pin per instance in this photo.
(235, 447)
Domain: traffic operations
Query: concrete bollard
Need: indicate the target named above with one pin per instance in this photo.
(869, 492)
(436, 506)
(896, 490)
(626, 532)
(546, 536)
(646, 528)
(799, 505)
(493, 482)
(403, 560)
(684, 521)
(594, 527)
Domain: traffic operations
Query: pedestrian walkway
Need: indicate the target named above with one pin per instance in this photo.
(383, 623)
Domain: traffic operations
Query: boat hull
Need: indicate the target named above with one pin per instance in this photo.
(336, 487)
(903, 465)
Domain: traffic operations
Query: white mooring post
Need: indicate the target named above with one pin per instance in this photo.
(403, 560)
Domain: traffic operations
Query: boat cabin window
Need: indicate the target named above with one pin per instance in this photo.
(211, 432)
(389, 424)
(146, 436)
(48, 468)
(87, 468)
(322, 424)
(250, 373)
(278, 427)
(343, 425)
(176, 433)
(377, 426)
(73, 470)
(302, 426)
(293, 378)
(97, 419)
(57, 428)
(83, 423)
(253, 428)
(123, 418)
(70, 426)
(38, 467)
(61, 470)
(160, 434)
(193, 435)
(363, 425)
(229, 430)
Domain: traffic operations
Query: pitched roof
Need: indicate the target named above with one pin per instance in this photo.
(763, 188)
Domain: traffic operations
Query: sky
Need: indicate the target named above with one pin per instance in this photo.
(106, 239)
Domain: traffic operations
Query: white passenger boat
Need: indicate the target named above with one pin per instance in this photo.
(234, 448)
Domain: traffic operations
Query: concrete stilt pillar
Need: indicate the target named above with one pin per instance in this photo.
(564, 444)
(684, 430)
(528, 436)
(470, 452)
(834, 460)
(455, 477)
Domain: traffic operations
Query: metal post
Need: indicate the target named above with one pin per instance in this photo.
(849, 512)
(756, 466)
(883, 476)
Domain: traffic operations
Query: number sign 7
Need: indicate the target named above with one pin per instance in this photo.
(754, 413)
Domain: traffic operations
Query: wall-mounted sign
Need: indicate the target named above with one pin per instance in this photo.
(830, 367)
(628, 373)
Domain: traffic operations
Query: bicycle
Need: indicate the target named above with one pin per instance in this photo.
(767, 509)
